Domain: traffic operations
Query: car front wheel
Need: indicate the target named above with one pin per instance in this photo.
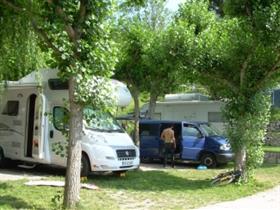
(208, 160)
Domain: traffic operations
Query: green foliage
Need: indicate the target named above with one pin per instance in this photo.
(97, 92)
(89, 51)
(161, 60)
(246, 127)
(19, 50)
(149, 45)
(57, 200)
(275, 114)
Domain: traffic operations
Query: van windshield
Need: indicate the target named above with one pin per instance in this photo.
(209, 130)
(100, 121)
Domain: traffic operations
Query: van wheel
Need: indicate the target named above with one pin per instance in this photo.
(2, 158)
(208, 160)
(85, 166)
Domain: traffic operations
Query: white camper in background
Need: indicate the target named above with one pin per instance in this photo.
(31, 125)
(189, 107)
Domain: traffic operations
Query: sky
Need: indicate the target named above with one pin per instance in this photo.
(173, 4)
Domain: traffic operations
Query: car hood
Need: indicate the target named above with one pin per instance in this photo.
(219, 139)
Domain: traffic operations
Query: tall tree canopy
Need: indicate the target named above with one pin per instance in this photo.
(238, 58)
(19, 50)
(157, 57)
(133, 37)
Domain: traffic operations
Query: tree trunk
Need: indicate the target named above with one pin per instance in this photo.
(72, 179)
(152, 105)
(240, 159)
(135, 94)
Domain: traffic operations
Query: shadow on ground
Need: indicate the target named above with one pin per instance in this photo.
(156, 180)
(12, 202)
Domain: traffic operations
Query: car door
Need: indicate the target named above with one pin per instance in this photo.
(149, 140)
(192, 141)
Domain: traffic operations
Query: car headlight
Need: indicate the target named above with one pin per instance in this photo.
(225, 147)
(97, 139)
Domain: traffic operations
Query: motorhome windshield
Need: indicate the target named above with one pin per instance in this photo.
(209, 130)
(100, 121)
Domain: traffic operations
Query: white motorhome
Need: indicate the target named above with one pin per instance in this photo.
(31, 116)
(188, 107)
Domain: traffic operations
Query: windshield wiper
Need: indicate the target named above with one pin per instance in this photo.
(116, 130)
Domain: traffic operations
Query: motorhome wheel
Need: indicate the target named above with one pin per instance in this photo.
(85, 166)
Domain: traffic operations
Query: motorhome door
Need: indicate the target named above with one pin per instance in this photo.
(36, 122)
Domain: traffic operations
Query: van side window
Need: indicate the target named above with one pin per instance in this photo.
(11, 108)
(189, 130)
(149, 130)
(60, 118)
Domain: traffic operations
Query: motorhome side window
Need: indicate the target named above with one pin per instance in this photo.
(11, 108)
(148, 130)
(60, 115)
(190, 130)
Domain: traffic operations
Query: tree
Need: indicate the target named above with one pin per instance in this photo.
(238, 59)
(131, 68)
(165, 68)
(158, 58)
(162, 58)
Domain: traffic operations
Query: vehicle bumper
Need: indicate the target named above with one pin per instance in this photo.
(224, 157)
(116, 165)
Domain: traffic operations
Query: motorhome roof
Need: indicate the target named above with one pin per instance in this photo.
(148, 121)
(188, 102)
(33, 79)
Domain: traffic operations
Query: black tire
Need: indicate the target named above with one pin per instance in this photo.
(208, 160)
(85, 166)
(119, 173)
(2, 158)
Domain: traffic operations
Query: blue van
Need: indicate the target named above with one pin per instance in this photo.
(196, 141)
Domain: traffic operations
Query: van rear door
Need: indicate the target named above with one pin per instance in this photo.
(149, 140)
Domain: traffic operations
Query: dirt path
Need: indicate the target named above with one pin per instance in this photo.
(268, 200)
(6, 175)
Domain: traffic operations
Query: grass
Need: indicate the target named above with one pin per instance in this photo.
(159, 189)
(271, 149)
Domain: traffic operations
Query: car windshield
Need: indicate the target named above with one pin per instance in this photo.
(209, 130)
(100, 121)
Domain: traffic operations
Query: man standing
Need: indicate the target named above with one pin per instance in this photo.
(168, 138)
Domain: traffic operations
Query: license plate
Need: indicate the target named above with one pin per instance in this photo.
(127, 163)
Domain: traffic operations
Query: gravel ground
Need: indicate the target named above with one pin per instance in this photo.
(268, 200)
(6, 175)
